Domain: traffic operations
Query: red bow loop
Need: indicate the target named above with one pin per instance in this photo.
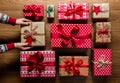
(103, 31)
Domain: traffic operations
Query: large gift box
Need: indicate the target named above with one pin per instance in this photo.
(34, 34)
(70, 35)
(33, 10)
(73, 65)
(103, 32)
(102, 62)
(73, 11)
(37, 64)
(101, 11)
(50, 11)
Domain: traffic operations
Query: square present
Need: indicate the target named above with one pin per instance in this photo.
(73, 11)
(37, 64)
(34, 34)
(102, 62)
(103, 32)
(71, 35)
(101, 11)
(50, 11)
(33, 10)
(73, 65)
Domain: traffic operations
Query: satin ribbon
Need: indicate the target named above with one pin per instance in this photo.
(71, 66)
(102, 62)
(29, 35)
(50, 9)
(103, 31)
(73, 38)
(34, 10)
(36, 62)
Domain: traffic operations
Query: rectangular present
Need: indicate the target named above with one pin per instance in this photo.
(37, 64)
(103, 32)
(34, 34)
(100, 11)
(102, 62)
(34, 11)
(71, 35)
(73, 65)
(50, 11)
(73, 11)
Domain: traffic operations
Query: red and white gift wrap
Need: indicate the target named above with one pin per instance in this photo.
(102, 62)
(34, 10)
(71, 35)
(73, 11)
(73, 65)
(37, 64)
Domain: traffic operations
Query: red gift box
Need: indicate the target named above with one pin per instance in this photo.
(37, 64)
(70, 35)
(73, 65)
(102, 62)
(73, 11)
(33, 10)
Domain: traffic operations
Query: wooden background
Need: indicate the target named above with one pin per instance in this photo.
(9, 61)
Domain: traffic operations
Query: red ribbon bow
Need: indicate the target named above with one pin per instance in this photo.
(34, 9)
(96, 9)
(72, 37)
(29, 35)
(103, 31)
(35, 62)
(72, 66)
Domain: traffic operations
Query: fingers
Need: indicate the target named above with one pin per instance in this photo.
(26, 20)
(26, 48)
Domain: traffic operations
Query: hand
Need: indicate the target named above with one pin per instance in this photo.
(22, 46)
(23, 21)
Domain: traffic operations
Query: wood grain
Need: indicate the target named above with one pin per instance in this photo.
(9, 61)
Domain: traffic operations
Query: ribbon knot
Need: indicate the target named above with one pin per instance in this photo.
(73, 37)
(103, 31)
(102, 62)
(29, 35)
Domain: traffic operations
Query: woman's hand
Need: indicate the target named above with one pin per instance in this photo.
(23, 21)
(23, 46)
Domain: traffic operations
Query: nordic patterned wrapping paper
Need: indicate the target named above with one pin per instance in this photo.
(83, 13)
(84, 29)
(39, 37)
(49, 56)
(105, 69)
(103, 32)
(101, 11)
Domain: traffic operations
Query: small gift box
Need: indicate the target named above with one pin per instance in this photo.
(50, 11)
(101, 11)
(73, 11)
(102, 62)
(103, 32)
(34, 34)
(37, 64)
(73, 65)
(33, 10)
(70, 35)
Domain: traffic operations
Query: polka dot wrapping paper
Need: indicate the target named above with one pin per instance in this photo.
(33, 10)
(73, 11)
(63, 36)
(37, 64)
(102, 62)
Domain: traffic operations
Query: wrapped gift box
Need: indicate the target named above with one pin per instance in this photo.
(73, 11)
(70, 35)
(34, 34)
(37, 64)
(103, 32)
(73, 65)
(50, 11)
(33, 10)
(102, 62)
(101, 11)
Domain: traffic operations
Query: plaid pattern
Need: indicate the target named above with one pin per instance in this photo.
(49, 56)
(62, 8)
(107, 69)
(84, 30)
